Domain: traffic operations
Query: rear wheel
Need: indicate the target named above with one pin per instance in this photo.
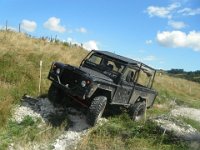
(96, 109)
(55, 95)
(137, 111)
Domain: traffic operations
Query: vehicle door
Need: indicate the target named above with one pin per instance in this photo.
(143, 87)
(125, 87)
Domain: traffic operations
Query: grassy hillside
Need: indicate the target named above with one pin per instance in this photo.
(20, 56)
(181, 91)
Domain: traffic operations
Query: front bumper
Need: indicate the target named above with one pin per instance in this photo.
(75, 91)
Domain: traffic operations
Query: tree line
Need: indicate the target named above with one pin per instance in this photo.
(189, 75)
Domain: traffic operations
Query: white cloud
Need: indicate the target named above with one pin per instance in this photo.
(82, 30)
(145, 58)
(148, 42)
(91, 45)
(189, 11)
(176, 24)
(177, 39)
(162, 12)
(9, 28)
(69, 39)
(149, 58)
(12, 28)
(161, 62)
(53, 24)
(73, 41)
(28, 25)
(171, 39)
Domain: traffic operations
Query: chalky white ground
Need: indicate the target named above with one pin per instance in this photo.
(179, 128)
(191, 113)
(42, 109)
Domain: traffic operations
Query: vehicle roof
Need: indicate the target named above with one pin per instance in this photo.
(122, 58)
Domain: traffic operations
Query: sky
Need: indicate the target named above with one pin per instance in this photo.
(164, 34)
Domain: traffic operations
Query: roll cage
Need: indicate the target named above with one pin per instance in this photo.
(141, 73)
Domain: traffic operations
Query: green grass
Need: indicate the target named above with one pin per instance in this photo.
(28, 130)
(15, 131)
(122, 133)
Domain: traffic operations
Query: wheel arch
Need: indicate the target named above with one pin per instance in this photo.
(102, 92)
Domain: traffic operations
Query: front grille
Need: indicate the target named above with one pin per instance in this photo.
(70, 78)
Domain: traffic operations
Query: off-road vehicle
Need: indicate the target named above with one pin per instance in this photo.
(104, 79)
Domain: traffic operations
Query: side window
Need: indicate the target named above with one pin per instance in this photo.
(95, 59)
(117, 67)
(129, 75)
(112, 64)
(144, 78)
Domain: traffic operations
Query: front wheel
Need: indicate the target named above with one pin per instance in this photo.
(96, 109)
(137, 111)
(55, 95)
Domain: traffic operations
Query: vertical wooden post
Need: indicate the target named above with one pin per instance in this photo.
(40, 76)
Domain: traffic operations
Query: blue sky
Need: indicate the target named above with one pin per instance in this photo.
(162, 33)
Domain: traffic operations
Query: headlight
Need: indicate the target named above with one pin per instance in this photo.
(58, 70)
(83, 83)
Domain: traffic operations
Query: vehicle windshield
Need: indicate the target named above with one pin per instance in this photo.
(108, 66)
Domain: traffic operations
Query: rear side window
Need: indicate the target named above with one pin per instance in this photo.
(145, 78)
(130, 75)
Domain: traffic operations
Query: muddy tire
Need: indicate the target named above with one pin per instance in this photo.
(96, 109)
(137, 111)
(55, 95)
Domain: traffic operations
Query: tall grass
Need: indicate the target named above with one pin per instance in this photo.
(181, 91)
